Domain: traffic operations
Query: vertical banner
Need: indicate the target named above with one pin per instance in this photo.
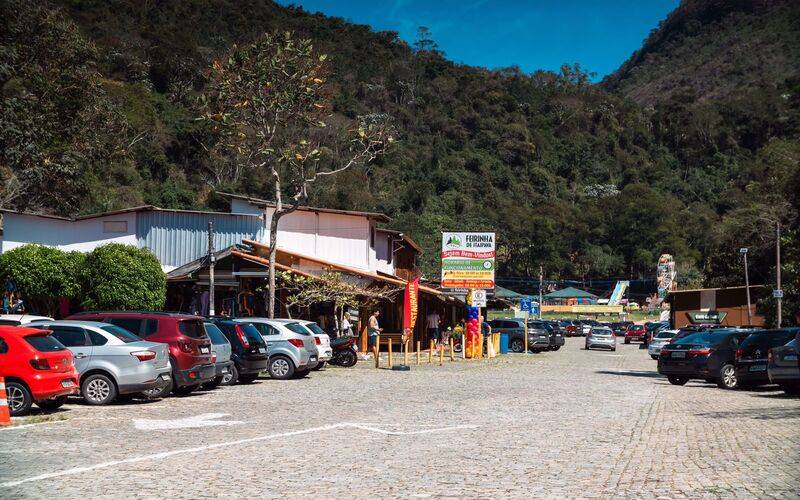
(410, 305)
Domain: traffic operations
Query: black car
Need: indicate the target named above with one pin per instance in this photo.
(557, 334)
(707, 355)
(538, 337)
(751, 356)
(619, 327)
(783, 368)
(248, 349)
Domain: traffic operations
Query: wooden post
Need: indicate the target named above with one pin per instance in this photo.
(430, 353)
(441, 355)
(377, 351)
(405, 353)
(419, 345)
(389, 341)
(452, 356)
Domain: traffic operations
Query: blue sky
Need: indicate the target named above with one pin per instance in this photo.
(534, 34)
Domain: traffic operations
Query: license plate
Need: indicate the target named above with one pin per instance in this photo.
(758, 368)
(204, 349)
(678, 354)
(790, 357)
(67, 383)
(165, 378)
(262, 350)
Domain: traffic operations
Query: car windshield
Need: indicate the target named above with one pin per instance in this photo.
(215, 334)
(701, 338)
(120, 333)
(192, 328)
(298, 328)
(665, 334)
(44, 343)
(315, 329)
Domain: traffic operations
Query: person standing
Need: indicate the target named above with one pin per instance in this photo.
(347, 328)
(373, 329)
(433, 323)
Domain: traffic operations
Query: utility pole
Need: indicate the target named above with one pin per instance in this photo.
(541, 277)
(779, 294)
(743, 251)
(211, 260)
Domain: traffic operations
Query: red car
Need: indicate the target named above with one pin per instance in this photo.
(189, 346)
(635, 332)
(37, 369)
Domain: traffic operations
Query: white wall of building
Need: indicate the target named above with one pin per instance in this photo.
(81, 236)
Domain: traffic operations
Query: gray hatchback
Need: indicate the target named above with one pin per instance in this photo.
(111, 360)
(221, 355)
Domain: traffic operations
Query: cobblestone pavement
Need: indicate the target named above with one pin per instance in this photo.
(570, 423)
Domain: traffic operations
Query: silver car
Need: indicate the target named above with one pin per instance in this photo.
(291, 348)
(221, 354)
(110, 360)
(659, 340)
(601, 336)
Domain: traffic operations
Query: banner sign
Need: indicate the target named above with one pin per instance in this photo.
(411, 305)
(714, 317)
(467, 261)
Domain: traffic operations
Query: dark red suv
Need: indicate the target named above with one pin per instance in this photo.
(189, 346)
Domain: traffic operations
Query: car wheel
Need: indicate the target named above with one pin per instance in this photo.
(184, 390)
(248, 379)
(627, 341)
(654, 356)
(555, 348)
(52, 404)
(319, 366)
(281, 368)
(158, 392)
(727, 377)
(349, 358)
(19, 399)
(517, 345)
(98, 389)
(208, 386)
(231, 377)
(677, 380)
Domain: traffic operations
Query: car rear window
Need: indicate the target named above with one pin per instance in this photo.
(665, 334)
(252, 334)
(121, 333)
(702, 338)
(768, 339)
(192, 328)
(9, 322)
(215, 334)
(602, 331)
(298, 328)
(315, 329)
(44, 343)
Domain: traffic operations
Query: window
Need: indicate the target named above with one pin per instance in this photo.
(297, 328)
(133, 325)
(215, 334)
(265, 329)
(70, 337)
(150, 327)
(3, 346)
(115, 226)
(192, 328)
(44, 343)
(98, 339)
(120, 333)
(315, 329)
(9, 322)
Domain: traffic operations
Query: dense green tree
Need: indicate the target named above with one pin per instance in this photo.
(122, 277)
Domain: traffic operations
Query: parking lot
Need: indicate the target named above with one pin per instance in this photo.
(567, 423)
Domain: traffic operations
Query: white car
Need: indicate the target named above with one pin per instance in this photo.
(660, 339)
(322, 340)
(21, 319)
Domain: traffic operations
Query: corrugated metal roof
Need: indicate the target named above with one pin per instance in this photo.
(177, 238)
(266, 203)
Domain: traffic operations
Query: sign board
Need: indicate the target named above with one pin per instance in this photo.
(526, 304)
(468, 261)
(714, 317)
(535, 309)
(778, 294)
(478, 298)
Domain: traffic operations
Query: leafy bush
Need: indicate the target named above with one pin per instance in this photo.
(123, 277)
(42, 275)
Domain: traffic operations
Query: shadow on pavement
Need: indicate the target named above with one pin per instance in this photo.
(631, 373)
(756, 413)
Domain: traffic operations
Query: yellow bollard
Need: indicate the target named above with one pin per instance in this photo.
(389, 341)
(419, 344)
(405, 353)
(376, 350)
(441, 355)
(452, 356)
(430, 353)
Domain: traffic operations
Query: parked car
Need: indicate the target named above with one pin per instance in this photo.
(601, 336)
(586, 326)
(708, 355)
(619, 327)
(292, 348)
(661, 338)
(322, 341)
(651, 328)
(538, 338)
(635, 333)
(110, 360)
(248, 349)
(220, 355)
(37, 368)
(189, 346)
(21, 319)
(782, 367)
(751, 356)
(556, 335)
(572, 328)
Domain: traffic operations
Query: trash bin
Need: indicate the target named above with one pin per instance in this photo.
(503, 343)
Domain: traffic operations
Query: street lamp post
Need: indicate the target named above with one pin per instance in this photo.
(743, 251)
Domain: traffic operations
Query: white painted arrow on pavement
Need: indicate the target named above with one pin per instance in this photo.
(204, 420)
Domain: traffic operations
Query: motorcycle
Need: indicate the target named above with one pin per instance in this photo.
(344, 354)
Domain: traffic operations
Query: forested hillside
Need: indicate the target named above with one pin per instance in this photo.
(99, 111)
